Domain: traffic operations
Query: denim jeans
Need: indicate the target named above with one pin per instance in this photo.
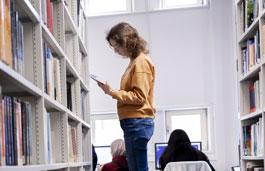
(137, 133)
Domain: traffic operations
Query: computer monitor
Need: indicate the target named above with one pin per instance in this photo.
(103, 153)
(160, 147)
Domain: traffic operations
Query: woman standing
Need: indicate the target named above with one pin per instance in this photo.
(135, 105)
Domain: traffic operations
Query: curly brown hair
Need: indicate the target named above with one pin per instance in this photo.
(128, 38)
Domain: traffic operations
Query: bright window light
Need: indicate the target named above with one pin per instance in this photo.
(190, 123)
(106, 129)
(180, 3)
(99, 7)
(193, 121)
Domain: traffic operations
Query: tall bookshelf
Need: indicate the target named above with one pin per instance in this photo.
(62, 113)
(250, 24)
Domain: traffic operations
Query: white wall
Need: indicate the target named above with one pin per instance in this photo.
(193, 53)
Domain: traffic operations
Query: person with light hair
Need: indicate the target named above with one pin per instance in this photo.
(119, 161)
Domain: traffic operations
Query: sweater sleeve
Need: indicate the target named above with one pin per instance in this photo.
(141, 80)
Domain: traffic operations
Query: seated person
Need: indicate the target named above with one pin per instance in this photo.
(119, 161)
(95, 158)
(179, 149)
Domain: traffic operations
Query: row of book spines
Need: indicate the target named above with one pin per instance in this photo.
(47, 14)
(73, 152)
(52, 77)
(250, 55)
(17, 41)
(253, 139)
(11, 37)
(83, 100)
(254, 96)
(16, 131)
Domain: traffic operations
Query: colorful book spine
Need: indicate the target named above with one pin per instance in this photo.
(3, 149)
(252, 98)
(6, 33)
(1, 30)
(19, 134)
(49, 15)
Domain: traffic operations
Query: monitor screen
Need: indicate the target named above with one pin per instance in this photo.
(103, 153)
(160, 147)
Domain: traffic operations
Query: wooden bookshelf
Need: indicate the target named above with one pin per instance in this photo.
(54, 54)
(251, 78)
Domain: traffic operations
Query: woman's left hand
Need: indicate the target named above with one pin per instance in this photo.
(105, 87)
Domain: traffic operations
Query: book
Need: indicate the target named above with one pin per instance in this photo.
(0, 125)
(6, 33)
(69, 95)
(98, 79)
(1, 31)
(57, 80)
(19, 134)
(6, 36)
(24, 133)
(71, 154)
(3, 137)
(10, 132)
(48, 137)
(49, 8)
(29, 132)
(252, 98)
(14, 127)
(74, 143)
(14, 16)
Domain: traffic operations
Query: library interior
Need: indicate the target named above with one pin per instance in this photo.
(106, 85)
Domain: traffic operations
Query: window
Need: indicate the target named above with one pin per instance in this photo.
(193, 121)
(181, 3)
(100, 7)
(105, 129)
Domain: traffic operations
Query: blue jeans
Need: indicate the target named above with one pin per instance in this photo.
(137, 133)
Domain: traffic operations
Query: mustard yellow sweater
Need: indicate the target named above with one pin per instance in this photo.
(135, 97)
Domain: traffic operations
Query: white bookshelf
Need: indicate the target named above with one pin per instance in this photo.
(248, 78)
(73, 64)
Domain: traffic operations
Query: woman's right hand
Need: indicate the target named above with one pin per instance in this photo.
(105, 87)
(100, 167)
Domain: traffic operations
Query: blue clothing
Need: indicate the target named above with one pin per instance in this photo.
(137, 133)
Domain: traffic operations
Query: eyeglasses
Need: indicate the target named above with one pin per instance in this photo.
(116, 46)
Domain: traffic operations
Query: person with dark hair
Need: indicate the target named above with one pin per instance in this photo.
(95, 158)
(118, 153)
(179, 149)
(135, 105)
